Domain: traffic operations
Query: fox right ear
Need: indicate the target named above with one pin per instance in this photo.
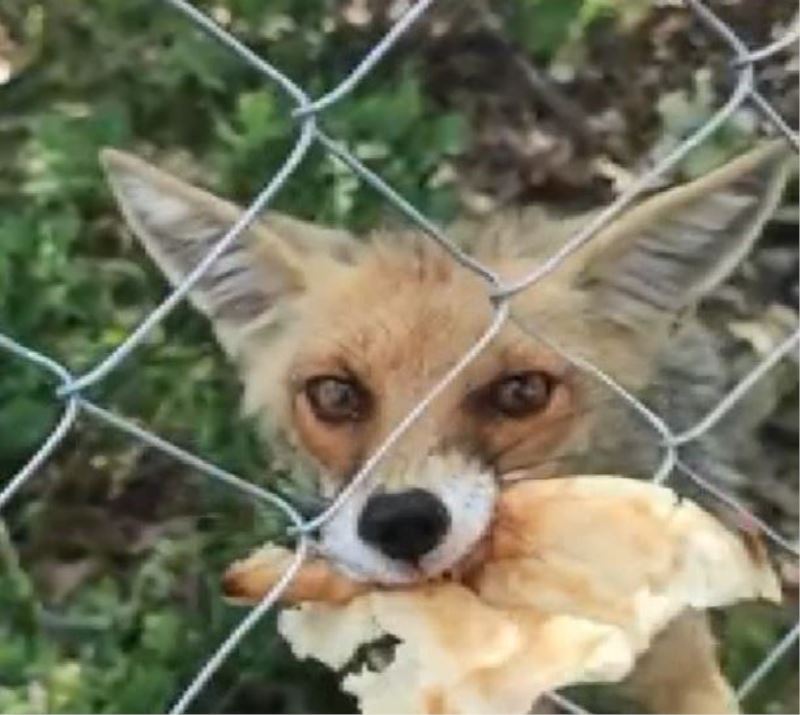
(665, 254)
(179, 224)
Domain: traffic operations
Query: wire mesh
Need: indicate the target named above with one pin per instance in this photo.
(307, 111)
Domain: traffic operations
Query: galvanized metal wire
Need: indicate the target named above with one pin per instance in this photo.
(308, 113)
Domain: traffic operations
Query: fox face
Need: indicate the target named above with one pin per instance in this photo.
(337, 339)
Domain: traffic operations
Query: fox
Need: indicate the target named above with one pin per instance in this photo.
(336, 337)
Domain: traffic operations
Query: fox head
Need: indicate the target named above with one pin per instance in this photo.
(336, 339)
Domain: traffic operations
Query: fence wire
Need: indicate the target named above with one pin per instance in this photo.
(307, 113)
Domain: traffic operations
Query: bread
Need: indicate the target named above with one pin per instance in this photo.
(575, 579)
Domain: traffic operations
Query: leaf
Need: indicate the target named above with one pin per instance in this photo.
(542, 26)
(24, 424)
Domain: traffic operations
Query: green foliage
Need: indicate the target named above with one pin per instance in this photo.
(544, 27)
(749, 632)
(545, 24)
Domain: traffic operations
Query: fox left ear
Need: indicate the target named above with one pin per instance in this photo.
(262, 269)
(666, 253)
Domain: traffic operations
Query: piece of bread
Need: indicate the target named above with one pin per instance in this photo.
(571, 585)
(249, 580)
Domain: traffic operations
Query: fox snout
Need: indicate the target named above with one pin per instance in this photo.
(406, 525)
(412, 528)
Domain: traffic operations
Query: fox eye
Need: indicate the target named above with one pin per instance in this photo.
(335, 399)
(519, 395)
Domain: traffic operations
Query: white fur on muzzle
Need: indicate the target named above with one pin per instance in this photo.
(467, 492)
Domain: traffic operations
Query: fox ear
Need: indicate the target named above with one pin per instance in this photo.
(179, 224)
(666, 253)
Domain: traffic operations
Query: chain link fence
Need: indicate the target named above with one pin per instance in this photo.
(308, 112)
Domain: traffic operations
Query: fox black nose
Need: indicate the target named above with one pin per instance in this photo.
(404, 525)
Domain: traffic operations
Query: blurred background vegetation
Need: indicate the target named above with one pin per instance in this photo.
(110, 557)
